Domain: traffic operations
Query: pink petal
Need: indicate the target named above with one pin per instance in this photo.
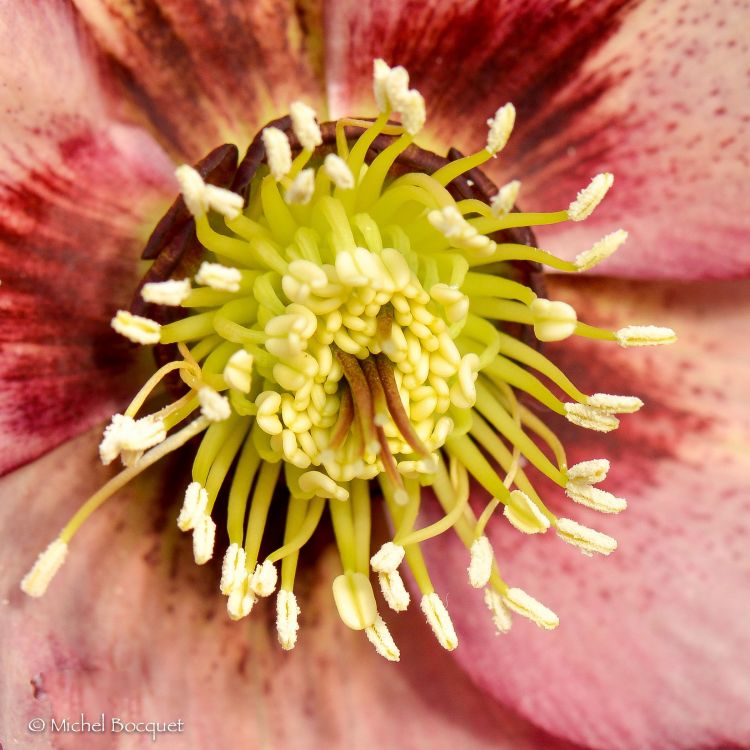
(131, 627)
(76, 191)
(203, 71)
(653, 649)
(654, 92)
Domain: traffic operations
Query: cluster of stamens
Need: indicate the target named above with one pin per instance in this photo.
(347, 338)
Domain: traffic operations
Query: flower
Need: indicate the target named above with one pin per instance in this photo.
(154, 175)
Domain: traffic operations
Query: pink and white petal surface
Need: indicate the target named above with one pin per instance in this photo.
(653, 649)
(204, 72)
(652, 91)
(77, 192)
(132, 628)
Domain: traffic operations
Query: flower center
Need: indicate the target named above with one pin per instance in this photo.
(350, 337)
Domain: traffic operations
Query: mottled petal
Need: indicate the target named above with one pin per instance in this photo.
(655, 92)
(131, 627)
(653, 648)
(208, 71)
(76, 190)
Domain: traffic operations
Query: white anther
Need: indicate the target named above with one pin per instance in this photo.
(278, 152)
(645, 336)
(193, 507)
(480, 567)
(137, 329)
(172, 292)
(590, 197)
(214, 406)
(525, 515)
(397, 86)
(589, 472)
(204, 535)
(553, 320)
(241, 601)
(590, 418)
(601, 250)
(380, 72)
(238, 371)
(218, 276)
(233, 571)
(264, 578)
(439, 620)
(463, 393)
(338, 171)
(36, 581)
(304, 125)
(268, 404)
(501, 126)
(380, 637)
(586, 539)
(450, 222)
(413, 113)
(615, 404)
(302, 188)
(595, 498)
(317, 484)
(387, 558)
(394, 591)
(199, 196)
(287, 619)
(526, 606)
(355, 600)
(500, 614)
(129, 437)
(506, 198)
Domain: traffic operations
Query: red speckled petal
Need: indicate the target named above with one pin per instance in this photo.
(204, 72)
(653, 91)
(653, 649)
(132, 628)
(75, 191)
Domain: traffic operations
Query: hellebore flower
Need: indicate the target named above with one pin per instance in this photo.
(82, 182)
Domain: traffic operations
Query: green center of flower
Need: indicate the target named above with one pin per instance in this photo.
(342, 341)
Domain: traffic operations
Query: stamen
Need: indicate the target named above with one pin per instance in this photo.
(506, 198)
(452, 225)
(302, 188)
(317, 484)
(217, 276)
(204, 535)
(524, 514)
(501, 126)
(241, 601)
(553, 321)
(36, 581)
(172, 292)
(480, 567)
(193, 507)
(412, 112)
(233, 571)
(590, 418)
(589, 472)
(355, 600)
(615, 404)
(439, 620)
(600, 250)
(214, 407)
(394, 592)
(287, 614)
(200, 197)
(338, 171)
(526, 606)
(264, 578)
(129, 437)
(590, 197)
(595, 498)
(278, 152)
(645, 336)
(500, 614)
(137, 329)
(304, 125)
(238, 372)
(380, 637)
(387, 558)
(588, 540)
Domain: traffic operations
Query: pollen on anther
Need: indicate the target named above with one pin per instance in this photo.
(136, 328)
(278, 152)
(590, 197)
(506, 198)
(645, 336)
(305, 126)
(338, 171)
(49, 562)
(218, 276)
(214, 406)
(172, 292)
(500, 128)
(601, 250)
(302, 188)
